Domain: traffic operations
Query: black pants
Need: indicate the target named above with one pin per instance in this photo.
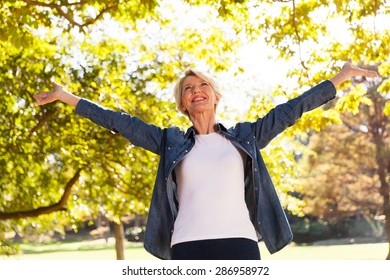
(217, 249)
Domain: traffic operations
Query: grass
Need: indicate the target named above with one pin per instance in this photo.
(100, 250)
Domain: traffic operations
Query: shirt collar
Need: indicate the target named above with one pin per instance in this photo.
(191, 131)
(221, 127)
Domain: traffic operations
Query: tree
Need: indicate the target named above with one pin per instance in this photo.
(320, 33)
(348, 174)
(340, 178)
(63, 166)
(48, 147)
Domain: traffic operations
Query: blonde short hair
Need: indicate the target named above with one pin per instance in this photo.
(178, 90)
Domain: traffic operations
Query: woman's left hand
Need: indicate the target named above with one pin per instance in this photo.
(349, 70)
(353, 70)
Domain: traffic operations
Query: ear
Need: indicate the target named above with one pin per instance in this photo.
(217, 99)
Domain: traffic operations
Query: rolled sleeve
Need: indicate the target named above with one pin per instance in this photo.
(138, 132)
(286, 114)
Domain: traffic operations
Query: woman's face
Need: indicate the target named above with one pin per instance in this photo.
(198, 96)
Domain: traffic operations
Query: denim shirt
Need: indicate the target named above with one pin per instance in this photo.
(172, 144)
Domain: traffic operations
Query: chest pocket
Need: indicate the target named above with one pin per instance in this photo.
(249, 143)
(175, 148)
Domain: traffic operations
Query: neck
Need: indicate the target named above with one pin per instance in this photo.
(204, 123)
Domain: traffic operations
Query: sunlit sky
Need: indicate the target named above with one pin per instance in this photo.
(254, 58)
(262, 72)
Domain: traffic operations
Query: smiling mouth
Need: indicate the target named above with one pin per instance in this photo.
(198, 99)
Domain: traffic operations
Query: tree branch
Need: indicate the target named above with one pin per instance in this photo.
(353, 127)
(102, 12)
(51, 5)
(67, 16)
(46, 116)
(299, 39)
(80, 3)
(59, 206)
(105, 168)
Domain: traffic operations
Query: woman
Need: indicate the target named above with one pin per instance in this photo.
(213, 197)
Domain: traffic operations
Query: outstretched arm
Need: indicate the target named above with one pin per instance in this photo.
(348, 71)
(58, 93)
(285, 115)
(138, 132)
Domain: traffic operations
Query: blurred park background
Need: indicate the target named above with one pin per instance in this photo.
(72, 190)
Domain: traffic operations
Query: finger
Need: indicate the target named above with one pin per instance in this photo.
(372, 74)
(39, 102)
(36, 97)
(55, 85)
(42, 94)
(366, 73)
(42, 101)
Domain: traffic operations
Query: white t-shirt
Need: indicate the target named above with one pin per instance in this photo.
(211, 192)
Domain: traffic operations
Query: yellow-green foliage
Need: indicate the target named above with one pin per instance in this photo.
(126, 56)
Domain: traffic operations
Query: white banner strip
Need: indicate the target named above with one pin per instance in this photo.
(207, 270)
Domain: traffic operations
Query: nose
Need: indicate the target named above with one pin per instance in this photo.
(195, 89)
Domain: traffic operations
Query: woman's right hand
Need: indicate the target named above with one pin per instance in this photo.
(58, 93)
(45, 97)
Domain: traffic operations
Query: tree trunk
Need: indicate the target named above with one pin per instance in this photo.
(58, 206)
(381, 154)
(379, 130)
(119, 241)
(387, 222)
(388, 255)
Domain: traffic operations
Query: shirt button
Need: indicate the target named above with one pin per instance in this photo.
(248, 142)
(174, 161)
(169, 148)
(186, 151)
(255, 169)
